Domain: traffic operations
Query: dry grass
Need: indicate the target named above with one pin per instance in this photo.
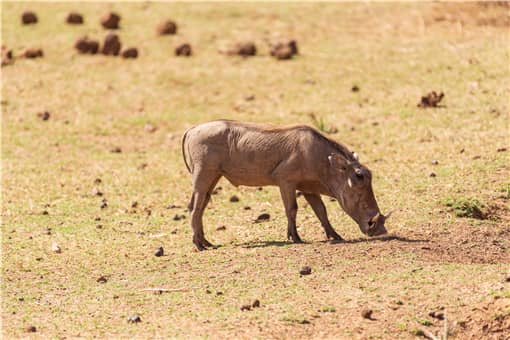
(395, 53)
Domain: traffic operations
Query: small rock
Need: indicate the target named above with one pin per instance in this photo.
(355, 88)
(234, 198)
(110, 20)
(306, 270)
(249, 98)
(45, 115)
(103, 205)
(284, 49)
(135, 318)
(219, 293)
(283, 53)
(150, 128)
(28, 18)
(102, 279)
(167, 27)
(432, 174)
(111, 45)
(74, 18)
(31, 329)
(97, 192)
(97, 181)
(247, 208)
(183, 50)
(178, 217)
(501, 149)
(435, 162)
(244, 49)
(437, 315)
(130, 53)
(116, 150)
(159, 252)
(367, 313)
(246, 307)
(507, 279)
(263, 217)
(432, 99)
(221, 228)
(31, 53)
(55, 248)
(45, 212)
(255, 304)
(7, 56)
(86, 46)
(134, 204)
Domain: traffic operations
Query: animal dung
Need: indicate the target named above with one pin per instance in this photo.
(306, 270)
(110, 20)
(246, 307)
(44, 115)
(102, 279)
(111, 45)
(74, 18)
(183, 50)
(285, 49)
(167, 27)
(7, 57)
(86, 46)
(28, 18)
(366, 313)
(263, 217)
(159, 252)
(432, 99)
(234, 198)
(243, 49)
(131, 52)
(31, 329)
(31, 53)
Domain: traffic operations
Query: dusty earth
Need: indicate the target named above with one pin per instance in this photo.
(93, 182)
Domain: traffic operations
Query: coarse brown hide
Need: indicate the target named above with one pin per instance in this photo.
(296, 158)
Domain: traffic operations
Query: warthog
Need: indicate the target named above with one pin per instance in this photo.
(296, 158)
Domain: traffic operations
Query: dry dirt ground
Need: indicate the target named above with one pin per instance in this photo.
(103, 177)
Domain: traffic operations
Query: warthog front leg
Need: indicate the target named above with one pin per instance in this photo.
(288, 192)
(319, 209)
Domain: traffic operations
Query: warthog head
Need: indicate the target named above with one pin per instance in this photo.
(351, 184)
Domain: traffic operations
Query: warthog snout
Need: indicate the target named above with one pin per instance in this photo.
(376, 225)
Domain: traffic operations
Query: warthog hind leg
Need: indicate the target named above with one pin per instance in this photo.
(203, 184)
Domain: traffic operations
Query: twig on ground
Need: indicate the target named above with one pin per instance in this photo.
(168, 290)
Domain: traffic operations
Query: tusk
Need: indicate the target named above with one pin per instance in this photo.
(375, 218)
(349, 182)
(389, 214)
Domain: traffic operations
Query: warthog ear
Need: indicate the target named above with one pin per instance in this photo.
(337, 161)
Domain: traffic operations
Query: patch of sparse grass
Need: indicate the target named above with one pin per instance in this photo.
(328, 309)
(505, 190)
(321, 124)
(424, 322)
(465, 207)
